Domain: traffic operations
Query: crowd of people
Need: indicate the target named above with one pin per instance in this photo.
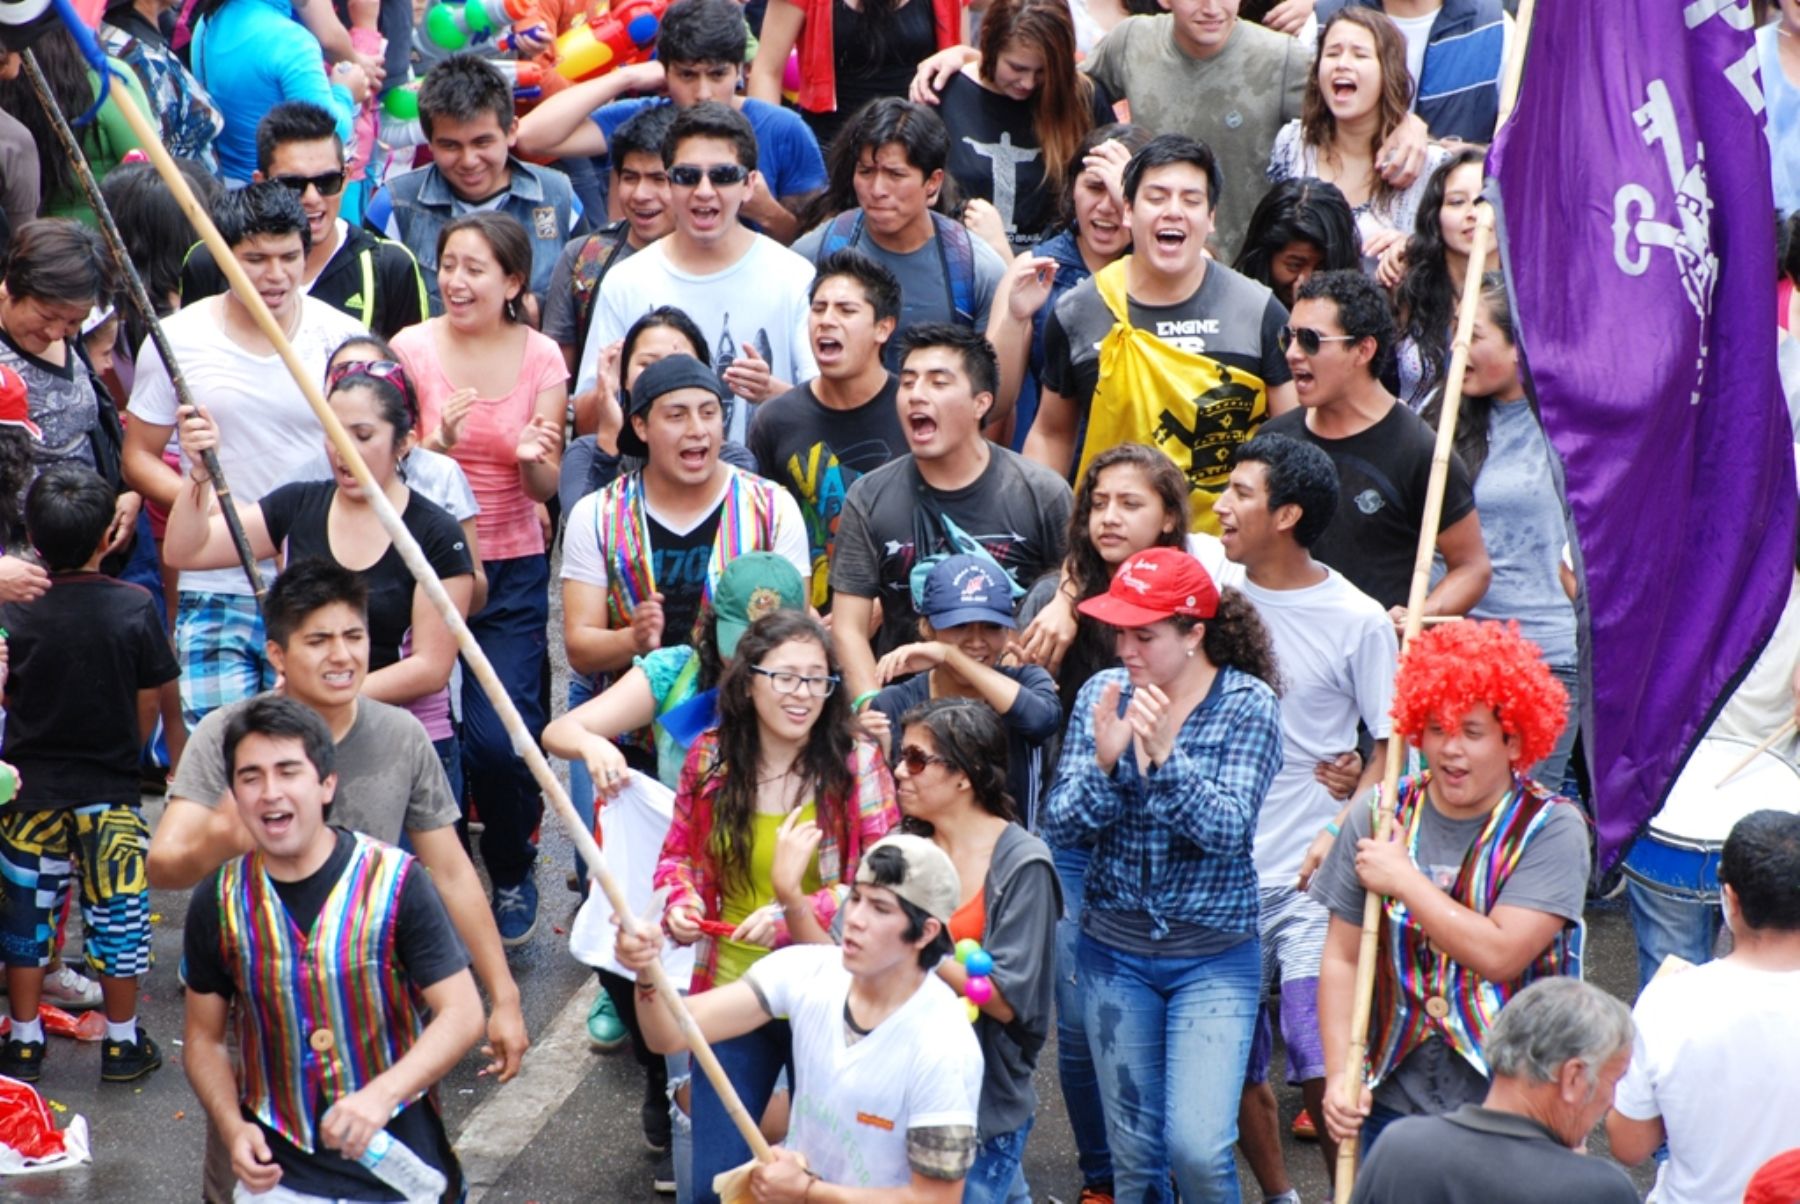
(983, 450)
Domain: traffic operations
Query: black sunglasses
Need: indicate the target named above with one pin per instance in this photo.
(917, 759)
(1309, 339)
(328, 183)
(686, 175)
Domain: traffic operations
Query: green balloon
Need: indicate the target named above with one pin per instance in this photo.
(444, 30)
(402, 104)
(476, 14)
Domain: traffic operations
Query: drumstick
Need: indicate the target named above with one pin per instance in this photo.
(1786, 729)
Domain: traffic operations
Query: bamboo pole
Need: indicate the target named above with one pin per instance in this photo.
(1366, 956)
(140, 299)
(473, 656)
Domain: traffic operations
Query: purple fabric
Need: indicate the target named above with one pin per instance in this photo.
(1643, 313)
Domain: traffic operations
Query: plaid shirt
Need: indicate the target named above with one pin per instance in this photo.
(1173, 844)
(687, 868)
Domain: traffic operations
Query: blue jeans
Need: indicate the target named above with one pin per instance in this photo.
(510, 629)
(581, 783)
(753, 1062)
(998, 1176)
(1074, 1060)
(1663, 924)
(1171, 1038)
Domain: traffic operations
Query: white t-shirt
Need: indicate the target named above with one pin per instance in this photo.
(439, 478)
(268, 435)
(1716, 1058)
(854, 1104)
(759, 301)
(583, 562)
(1337, 653)
(1417, 32)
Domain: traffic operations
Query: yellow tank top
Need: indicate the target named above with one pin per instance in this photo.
(742, 898)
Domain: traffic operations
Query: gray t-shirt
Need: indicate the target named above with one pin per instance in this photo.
(62, 403)
(390, 780)
(1551, 877)
(1017, 510)
(1523, 525)
(1235, 102)
(1476, 1155)
(925, 295)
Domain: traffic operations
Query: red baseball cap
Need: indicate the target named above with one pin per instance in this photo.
(15, 403)
(1156, 584)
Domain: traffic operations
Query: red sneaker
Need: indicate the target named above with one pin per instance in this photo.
(1303, 1128)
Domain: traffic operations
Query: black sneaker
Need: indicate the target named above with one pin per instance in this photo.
(125, 1061)
(22, 1060)
(662, 1181)
(655, 1116)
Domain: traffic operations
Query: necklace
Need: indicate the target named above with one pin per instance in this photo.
(784, 774)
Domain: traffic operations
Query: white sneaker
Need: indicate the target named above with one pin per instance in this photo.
(69, 990)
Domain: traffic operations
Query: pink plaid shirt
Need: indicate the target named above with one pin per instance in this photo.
(687, 868)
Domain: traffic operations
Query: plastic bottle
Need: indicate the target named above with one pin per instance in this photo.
(392, 1162)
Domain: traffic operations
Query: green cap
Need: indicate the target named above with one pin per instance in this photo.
(753, 585)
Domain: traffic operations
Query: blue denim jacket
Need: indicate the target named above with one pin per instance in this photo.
(1173, 844)
(413, 207)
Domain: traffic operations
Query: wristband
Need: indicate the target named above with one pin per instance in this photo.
(1334, 827)
(862, 700)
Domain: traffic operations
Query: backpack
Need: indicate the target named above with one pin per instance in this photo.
(956, 251)
(599, 251)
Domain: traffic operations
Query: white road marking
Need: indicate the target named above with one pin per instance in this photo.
(496, 1133)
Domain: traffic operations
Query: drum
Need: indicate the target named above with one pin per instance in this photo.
(1678, 854)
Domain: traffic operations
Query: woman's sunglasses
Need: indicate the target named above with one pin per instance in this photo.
(917, 759)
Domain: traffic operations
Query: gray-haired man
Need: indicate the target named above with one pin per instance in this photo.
(1557, 1052)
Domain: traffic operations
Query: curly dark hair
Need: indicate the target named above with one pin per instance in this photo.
(1236, 636)
(15, 474)
(1426, 299)
(1362, 310)
(972, 741)
(1089, 573)
(824, 762)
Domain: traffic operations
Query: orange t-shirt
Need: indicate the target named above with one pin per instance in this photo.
(970, 920)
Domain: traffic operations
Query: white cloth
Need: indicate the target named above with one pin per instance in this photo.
(439, 478)
(583, 562)
(268, 435)
(854, 1104)
(1716, 1058)
(1337, 654)
(632, 828)
(759, 301)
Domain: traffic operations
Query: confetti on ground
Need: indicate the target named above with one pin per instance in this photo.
(156, 917)
(58, 1107)
(180, 1115)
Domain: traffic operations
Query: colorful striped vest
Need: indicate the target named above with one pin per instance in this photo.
(321, 1012)
(622, 527)
(1410, 972)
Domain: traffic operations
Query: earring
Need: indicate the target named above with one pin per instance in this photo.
(1190, 654)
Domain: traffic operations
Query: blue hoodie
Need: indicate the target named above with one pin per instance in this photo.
(250, 56)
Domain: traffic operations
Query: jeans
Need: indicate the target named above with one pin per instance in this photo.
(1074, 1060)
(1171, 1038)
(753, 1063)
(510, 630)
(1664, 924)
(581, 783)
(998, 1176)
(1553, 768)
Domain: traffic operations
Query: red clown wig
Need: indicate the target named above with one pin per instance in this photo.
(1450, 670)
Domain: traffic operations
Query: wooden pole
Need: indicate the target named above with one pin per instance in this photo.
(140, 299)
(1482, 242)
(473, 656)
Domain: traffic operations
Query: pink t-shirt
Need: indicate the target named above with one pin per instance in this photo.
(487, 448)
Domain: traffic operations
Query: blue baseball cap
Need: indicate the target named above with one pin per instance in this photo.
(966, 589)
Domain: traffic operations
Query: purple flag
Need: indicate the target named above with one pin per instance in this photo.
(1638, 218)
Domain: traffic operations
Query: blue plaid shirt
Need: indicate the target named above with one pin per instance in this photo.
(1173, 844)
